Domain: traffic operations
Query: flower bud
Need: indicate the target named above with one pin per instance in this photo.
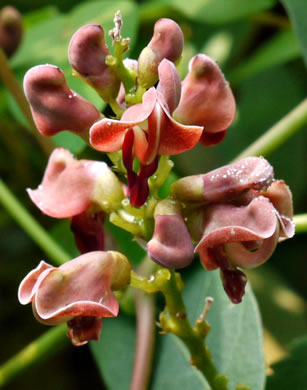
(167, 42)
(55, 107)
(87, 53)
(171, 245)
(225, 183)
(206, 100)
(11, 30)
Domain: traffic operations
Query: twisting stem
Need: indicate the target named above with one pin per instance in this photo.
(278, 134)
(145, 339)
(31, 226)
(45, 346)
(12, 84)
(300, 221)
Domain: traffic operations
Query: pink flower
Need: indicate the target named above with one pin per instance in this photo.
(206, 100)
(154, 130)
(245, 215)
(55, 107)
(81, 191)
(79, 292)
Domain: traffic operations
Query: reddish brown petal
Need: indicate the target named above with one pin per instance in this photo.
(211, 139)
(68, 185)
(88, 231)
(206, 98)
(55, 107)
(234, 282)
(83, 329)
(281, 197)
(11, 30)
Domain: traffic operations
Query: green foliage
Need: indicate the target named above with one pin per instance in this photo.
(235, 342)
(290, 373)
(297, 11)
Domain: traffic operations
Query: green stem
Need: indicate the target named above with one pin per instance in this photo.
(145, 332)
(278, 134)
(31, 226)
(45, 346)
(300, 221)
(12, 84)
(174, 320)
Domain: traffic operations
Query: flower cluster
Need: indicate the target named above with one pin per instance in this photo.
(233, 216)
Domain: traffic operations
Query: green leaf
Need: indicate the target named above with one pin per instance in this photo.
(280, 49)
(219, 11)
(235, 342)
(297, 12)
(291, 373)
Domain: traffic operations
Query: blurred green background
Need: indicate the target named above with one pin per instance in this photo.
(260, 46)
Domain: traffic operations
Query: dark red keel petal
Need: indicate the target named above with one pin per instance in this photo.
(88, 231)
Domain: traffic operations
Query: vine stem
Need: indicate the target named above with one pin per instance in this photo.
(278, 134)
(31, 226)
(43, 347)
(145, 339)
(300, 221)
(12, 84)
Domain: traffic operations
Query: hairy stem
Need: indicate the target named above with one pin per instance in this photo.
(43, 347)
(31, 226)
(278, 134)
(145, 339)
(12, 84)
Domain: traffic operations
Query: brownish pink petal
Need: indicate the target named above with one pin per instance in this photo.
(227, 225)
(87, 54)
(225, 183)
(171, 245)
(169, 86)
(55, 107)
(167, 42)
(68, 185)
(11, 30)
(206, 98)
(80, 287)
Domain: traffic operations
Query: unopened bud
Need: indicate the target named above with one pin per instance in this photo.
(87, 54)
(171, 245)
(11, 30)
(55, 107)
(167, 42)
(226, 182)
(206, 100)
